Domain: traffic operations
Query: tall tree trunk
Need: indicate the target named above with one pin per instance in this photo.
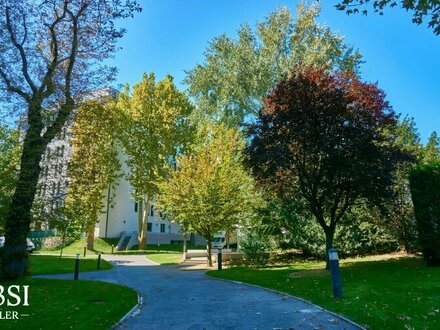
(208, 248)
(185, 246)
(145, 213)
(185, 243)
(90, 237)
(18, 220)
(140, 226)
(329, 235)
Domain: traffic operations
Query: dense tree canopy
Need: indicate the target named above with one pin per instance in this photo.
(432, 149)
(320, 136)
(210, 190)
(153, 127)
(238, 73)
(425, 192)
(94, 167)
(10, 151)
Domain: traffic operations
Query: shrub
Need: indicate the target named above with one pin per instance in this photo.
(425, 192)
(256, 249)
(363, 230)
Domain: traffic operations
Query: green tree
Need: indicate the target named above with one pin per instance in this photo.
(94, 166)
(432, 149)
(320, 136)
(238, 73)
(210, 190)
(10, 150)
(421, 9)
(425, 192)
(51, 53)
(153, 128)
(399, 210)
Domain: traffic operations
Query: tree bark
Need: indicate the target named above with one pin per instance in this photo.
(90, 237)
(208, 248)
(18, 220)
(185, 243)
(329, 235)
(144, 222)
(140, 227)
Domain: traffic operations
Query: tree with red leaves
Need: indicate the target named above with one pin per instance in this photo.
(321, 137)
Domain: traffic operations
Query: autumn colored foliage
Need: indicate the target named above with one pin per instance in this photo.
(320, 137)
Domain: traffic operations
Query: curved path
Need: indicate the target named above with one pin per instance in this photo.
(174, 299)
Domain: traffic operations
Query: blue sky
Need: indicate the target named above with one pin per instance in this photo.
(170, 36)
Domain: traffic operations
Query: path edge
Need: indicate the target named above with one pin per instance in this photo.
(131, 312)
(288, 295)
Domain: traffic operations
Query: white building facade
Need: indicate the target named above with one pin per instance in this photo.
(123, 216)
(120, 219)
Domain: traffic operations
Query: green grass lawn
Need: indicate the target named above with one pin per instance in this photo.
(41, 264)
(105, 246)
(384, 294)
(100, 245)
(65, 304)
(165, 258)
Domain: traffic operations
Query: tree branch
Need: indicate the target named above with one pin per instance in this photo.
(47, 86)
(24, 66)
(12, 88)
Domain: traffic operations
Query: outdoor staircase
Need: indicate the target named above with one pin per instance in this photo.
(127, 242)
(132, 241)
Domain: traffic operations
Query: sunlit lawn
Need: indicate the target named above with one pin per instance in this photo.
(42, 264)
(105, 246)
(165, 258)
(392, 294)
(67, 304)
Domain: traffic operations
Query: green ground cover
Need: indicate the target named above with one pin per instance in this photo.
(399, 293)
(105, 246)
(165, 258)
(66, 304)
(42, 264)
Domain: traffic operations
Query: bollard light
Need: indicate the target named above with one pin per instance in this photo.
(219, 258)
(336, 274)
(113, 249)
(75, 276)
(333, 254)
(85, 251)
(99, 260)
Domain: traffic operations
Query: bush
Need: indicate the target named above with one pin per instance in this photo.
(256, 249)
(425, 192)
(363, 230)
(51, 243)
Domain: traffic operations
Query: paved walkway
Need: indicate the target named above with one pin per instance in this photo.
(175, 299)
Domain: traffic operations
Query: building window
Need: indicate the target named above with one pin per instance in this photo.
(162, 227)
(136, 207)
(152, 210)
(149, 226)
